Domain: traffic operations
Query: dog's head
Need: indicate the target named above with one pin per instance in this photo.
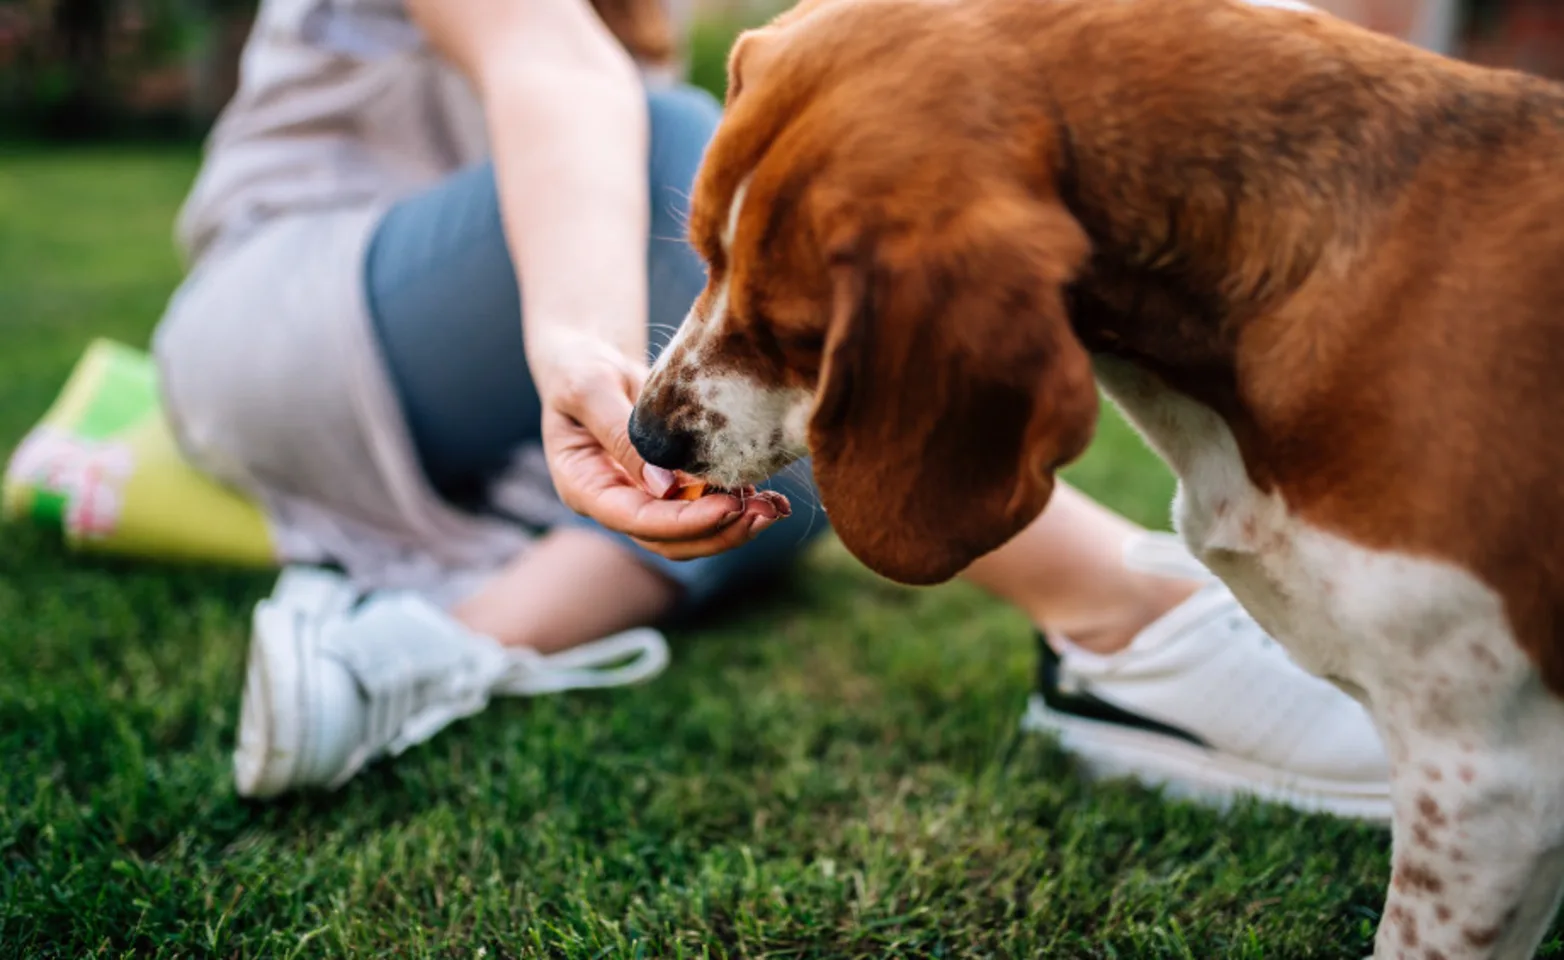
(887, 259)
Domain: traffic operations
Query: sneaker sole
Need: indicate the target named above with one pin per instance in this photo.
(270, 737)
(1187, 771)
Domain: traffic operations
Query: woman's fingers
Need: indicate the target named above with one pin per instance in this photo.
(761, 511)
(591, 483)
(605, 413)
(597, 472)
(734, 535)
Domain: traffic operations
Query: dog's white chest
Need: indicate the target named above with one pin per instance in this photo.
(1362, 616)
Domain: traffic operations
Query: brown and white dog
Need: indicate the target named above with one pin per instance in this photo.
(1323, 272)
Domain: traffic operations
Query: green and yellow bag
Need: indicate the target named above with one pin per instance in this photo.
(102, 467)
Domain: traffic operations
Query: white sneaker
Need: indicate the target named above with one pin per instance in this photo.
(1204, 704)
(333, 683)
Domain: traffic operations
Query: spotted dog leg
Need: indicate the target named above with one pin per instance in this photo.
(1478, 837)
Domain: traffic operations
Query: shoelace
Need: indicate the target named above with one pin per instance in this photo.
(411, 697)
(643, 652)
(403, 714)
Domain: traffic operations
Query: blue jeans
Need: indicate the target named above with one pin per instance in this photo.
(443, 295)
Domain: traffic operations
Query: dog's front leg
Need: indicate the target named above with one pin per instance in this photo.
(1478, 836)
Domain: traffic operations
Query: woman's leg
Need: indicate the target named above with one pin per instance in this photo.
(1066, 572)
(574, 586)
(446, 304)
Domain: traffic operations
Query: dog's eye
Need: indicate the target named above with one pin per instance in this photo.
(806, 343)
(800, 350)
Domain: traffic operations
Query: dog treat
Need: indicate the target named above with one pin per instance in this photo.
(686, 487)
(689, 491)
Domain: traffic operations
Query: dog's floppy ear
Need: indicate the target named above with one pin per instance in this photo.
(952, 386)
(743, 48)
(754, 50)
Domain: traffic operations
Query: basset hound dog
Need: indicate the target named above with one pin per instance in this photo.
(1321, 270)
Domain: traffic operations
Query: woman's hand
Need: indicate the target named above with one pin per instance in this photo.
(569, 138)
(589, 389)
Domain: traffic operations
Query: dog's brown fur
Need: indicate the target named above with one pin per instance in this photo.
(925, 215)
(1352, 250)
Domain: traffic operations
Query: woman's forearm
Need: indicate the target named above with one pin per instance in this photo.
(570, 155)
(568, 137)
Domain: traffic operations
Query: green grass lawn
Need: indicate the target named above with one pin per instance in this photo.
(832, 771)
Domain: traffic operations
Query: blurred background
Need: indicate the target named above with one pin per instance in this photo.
(831, 771)
(138, 69)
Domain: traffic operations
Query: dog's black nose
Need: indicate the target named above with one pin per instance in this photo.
(661, 446)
